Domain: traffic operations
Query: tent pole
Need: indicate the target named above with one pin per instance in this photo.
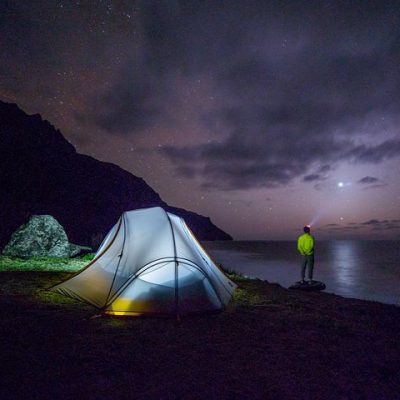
(119, 261)
(176, 269)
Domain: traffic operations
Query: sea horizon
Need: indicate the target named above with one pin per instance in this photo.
(316, 239)
(363, 269)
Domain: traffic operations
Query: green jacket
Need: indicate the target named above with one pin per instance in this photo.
(305, 244)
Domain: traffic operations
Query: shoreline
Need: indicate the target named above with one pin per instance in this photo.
(270, 343)
(353, 269)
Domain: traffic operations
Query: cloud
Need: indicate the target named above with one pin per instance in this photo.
(368, 179)
(371, 222)
(239, 203)
(378, 186)
(370, 182)
(240, 163)
(144, 83)
(342, 229)
(293, 105)
(375, 154)
(387, 225)
(373, 225)
(128, 108)
(325, 168)
(312, 177)
(287, 91)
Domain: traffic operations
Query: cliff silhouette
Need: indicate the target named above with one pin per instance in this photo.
(41, 173)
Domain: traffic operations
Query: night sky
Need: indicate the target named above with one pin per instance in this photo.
(263, 115)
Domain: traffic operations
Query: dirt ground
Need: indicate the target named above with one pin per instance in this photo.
(270, 343)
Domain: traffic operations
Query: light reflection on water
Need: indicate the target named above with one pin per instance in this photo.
(345, 267)
(361, 269)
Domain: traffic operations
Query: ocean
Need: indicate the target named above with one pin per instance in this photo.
(367, 270)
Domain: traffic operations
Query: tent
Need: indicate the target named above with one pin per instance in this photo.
(150, 263)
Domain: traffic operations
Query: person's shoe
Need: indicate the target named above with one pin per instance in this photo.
(310, 281)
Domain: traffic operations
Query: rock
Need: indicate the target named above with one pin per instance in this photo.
(75, 249)
(308, 286)
(41, 236)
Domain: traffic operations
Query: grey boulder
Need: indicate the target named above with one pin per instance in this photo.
(41, 236)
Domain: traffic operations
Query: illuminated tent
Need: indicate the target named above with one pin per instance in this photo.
(150, 263)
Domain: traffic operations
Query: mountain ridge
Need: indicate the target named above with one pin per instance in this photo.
(42, 173)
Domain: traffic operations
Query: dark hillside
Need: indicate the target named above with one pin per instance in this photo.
(41, 173)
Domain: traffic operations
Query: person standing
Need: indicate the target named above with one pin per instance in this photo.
(305, 246)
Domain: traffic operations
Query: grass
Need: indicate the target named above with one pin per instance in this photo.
(44, 264)
(231, 273)
(64, 266)
(270, 343)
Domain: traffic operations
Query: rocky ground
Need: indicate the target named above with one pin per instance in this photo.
(270, 343)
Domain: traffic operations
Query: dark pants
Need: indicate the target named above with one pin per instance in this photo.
(307, 261)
